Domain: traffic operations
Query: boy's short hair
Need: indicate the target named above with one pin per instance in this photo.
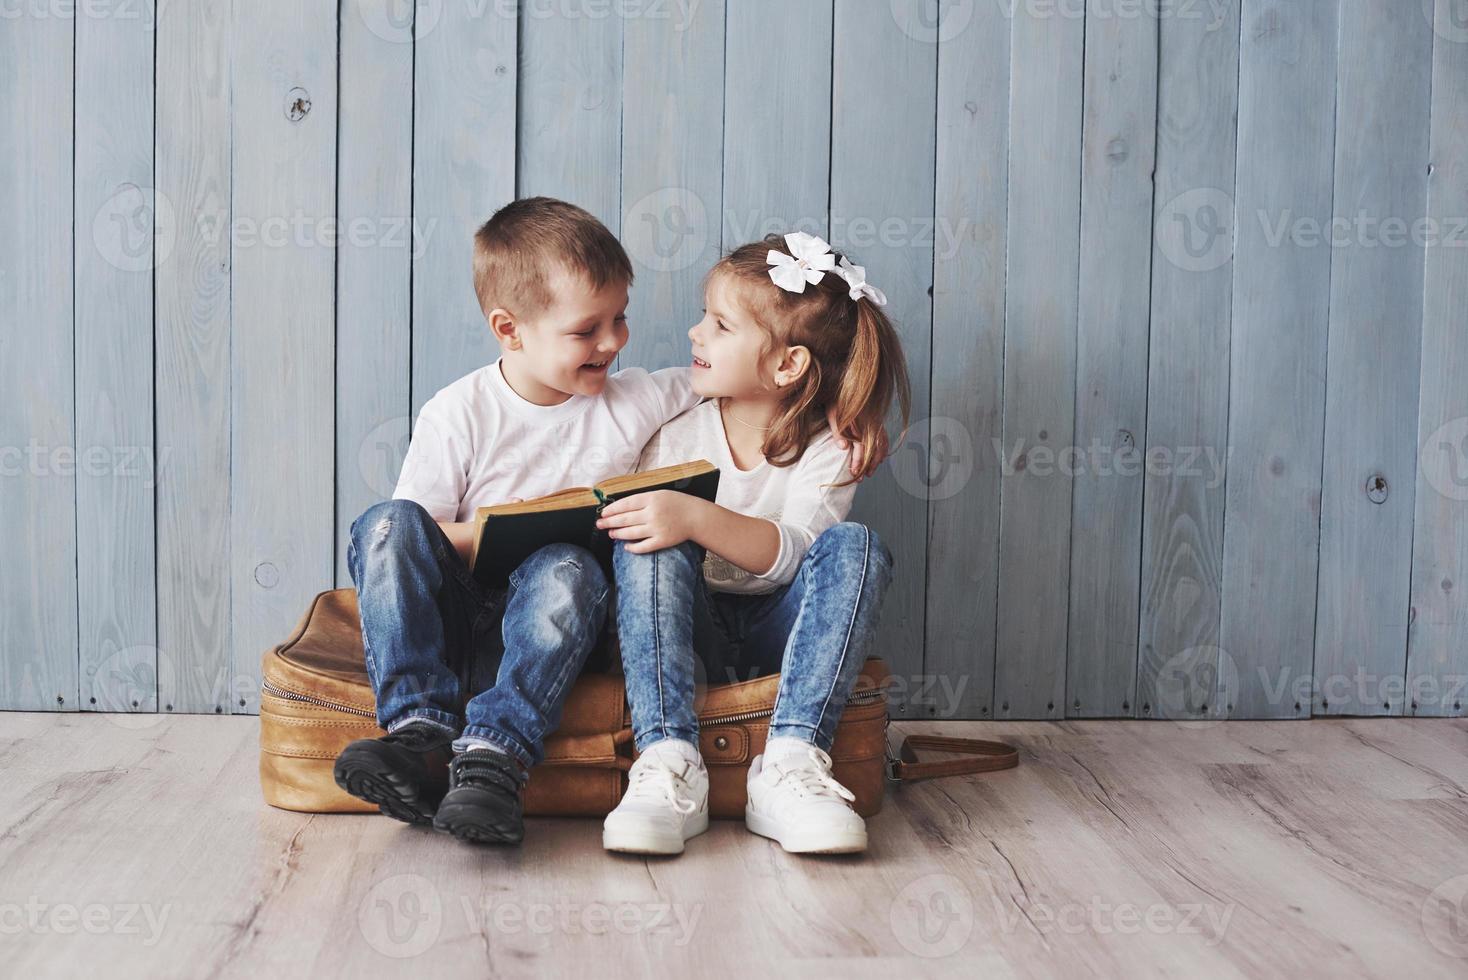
(517, 247)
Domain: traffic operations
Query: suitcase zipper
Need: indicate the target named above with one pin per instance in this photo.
(281, 692)
(860, 697)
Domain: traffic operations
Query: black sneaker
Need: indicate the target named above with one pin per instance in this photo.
(404, 772)
(483, 804)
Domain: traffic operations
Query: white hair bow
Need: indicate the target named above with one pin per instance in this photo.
(856, 278)
(809, 260)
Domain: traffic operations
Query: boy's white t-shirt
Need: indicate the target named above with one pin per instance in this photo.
(797, 498)
(477, 443)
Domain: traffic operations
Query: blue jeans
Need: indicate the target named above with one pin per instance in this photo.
(430, 630)
(814, 631)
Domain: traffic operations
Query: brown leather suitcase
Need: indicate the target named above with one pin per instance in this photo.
(316, 698)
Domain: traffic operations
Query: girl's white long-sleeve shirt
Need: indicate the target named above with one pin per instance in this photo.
(800, 500)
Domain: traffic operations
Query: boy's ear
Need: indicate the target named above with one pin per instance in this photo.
(504, 328)
(792, 366)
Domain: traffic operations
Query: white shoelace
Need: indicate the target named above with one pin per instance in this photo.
(812, 776)
(654, 777)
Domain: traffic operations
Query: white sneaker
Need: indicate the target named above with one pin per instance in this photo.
(795, 800)
(667, 802)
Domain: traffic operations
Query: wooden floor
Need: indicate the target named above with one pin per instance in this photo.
(138, 846)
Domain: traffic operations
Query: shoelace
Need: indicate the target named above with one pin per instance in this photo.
(811, 776)
(654, 776)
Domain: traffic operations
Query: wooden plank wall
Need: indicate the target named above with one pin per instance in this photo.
(1182, 297)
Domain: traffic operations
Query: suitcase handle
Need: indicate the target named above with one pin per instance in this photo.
(981, 755)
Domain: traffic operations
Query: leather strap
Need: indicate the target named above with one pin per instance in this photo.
(980, 754)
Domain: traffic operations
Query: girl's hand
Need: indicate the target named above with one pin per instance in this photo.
(654, 521)
(859, 451)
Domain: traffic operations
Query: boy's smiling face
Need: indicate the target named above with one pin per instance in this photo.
(567, 348)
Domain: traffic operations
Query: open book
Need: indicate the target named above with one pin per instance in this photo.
(506, 534)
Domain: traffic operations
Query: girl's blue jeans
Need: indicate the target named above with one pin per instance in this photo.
(814, 631)
(430, 630)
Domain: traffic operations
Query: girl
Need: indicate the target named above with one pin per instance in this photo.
(770, 577)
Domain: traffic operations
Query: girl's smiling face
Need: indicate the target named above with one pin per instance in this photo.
(729, 347)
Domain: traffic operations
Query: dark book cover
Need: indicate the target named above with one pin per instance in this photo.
(505, 540)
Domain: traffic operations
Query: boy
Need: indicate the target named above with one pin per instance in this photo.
(552, 282)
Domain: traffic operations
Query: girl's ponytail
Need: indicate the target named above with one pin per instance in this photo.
(876, 371)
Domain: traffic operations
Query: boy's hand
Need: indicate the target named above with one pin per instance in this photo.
(655, 520)
(859, 451)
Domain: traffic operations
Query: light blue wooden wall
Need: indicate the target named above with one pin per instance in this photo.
(1184, 446)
